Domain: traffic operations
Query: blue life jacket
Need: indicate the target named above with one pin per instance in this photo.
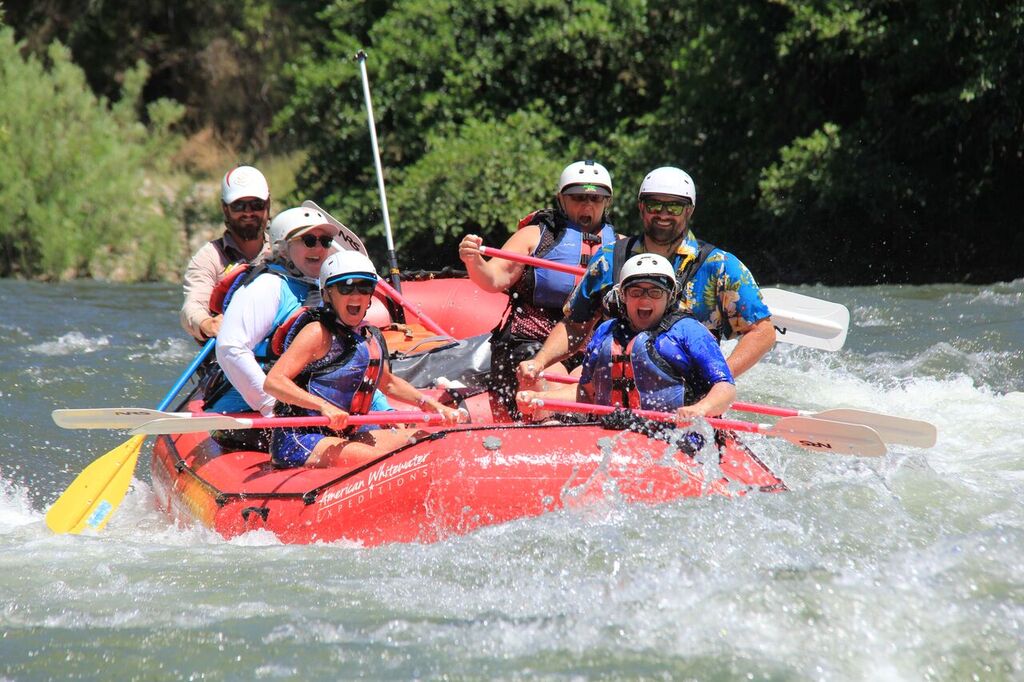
(348, 375)
(635, 376)
(571, 247)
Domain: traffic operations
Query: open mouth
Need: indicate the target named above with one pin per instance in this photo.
(644, 314)
(354, 309)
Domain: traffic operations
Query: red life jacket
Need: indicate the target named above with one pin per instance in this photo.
(219, 295)
(624, 393)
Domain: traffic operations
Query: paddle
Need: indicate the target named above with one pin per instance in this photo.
(352, 242)
(807, 432)
(110, 417)
(799, 320)
(891, 429)
(896, 430)
(197, 423)
(375, 147)
(96, 493)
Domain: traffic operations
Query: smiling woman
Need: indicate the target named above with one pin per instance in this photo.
(264, 299)
(333, 365)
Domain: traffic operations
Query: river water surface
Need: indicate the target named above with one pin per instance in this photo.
(906, 567)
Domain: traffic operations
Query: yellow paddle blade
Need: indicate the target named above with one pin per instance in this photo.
(93, 496)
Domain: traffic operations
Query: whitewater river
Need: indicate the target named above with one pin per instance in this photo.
(906, 567)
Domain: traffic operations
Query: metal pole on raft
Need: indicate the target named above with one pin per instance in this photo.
(396, 282)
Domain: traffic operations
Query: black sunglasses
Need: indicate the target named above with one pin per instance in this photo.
(241, 205)
(670, 207)
(309, 241)
(361, 287)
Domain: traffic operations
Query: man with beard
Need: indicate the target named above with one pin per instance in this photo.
(245, 202)
(570, 233)
(715, 287)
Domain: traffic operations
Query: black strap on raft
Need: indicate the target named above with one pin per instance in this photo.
(687, 442)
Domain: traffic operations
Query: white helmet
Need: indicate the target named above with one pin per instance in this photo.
(346, 267)
(244, 181)
(648, 267)
(669, 180)
(585, 177)
(294, 222)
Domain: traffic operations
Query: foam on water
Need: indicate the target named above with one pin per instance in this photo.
(905, 567)
(71, 343)
(15, 506)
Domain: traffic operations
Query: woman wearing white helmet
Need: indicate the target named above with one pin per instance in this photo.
(569, 234)
(651, 356)
(332, 365)
(264, 298)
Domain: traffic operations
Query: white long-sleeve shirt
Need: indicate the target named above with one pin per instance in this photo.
(247, 321)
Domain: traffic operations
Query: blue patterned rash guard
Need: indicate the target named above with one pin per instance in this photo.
(687, 346)
(722, 294)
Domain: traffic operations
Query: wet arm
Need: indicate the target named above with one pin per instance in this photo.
(756, 340)
(497, 274)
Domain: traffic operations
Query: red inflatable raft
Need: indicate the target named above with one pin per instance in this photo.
(451, 480)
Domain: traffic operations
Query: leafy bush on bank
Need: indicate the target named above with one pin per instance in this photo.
(74, 195)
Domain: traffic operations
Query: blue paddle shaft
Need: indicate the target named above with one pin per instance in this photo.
(183, 379)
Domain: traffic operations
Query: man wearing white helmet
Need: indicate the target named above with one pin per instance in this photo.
(570, 233)
(245, 203)
(651, 355)
(333, 365)
(715, 286)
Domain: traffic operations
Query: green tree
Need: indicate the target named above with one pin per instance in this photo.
(485, 102)
(881, 131)
(223, 60)
(72, 189)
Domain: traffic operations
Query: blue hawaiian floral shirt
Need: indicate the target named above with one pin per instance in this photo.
(722, 294)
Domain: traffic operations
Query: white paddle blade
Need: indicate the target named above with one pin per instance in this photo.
(109, 417)
(346, 239)
(194, 425)
(897, 430)
(807, 321)
(829, 436)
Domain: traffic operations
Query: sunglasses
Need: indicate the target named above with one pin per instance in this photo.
(670, 207)
(653, 293)
(255, 205)
(309, 241)
(361, 287)
(585, 198)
